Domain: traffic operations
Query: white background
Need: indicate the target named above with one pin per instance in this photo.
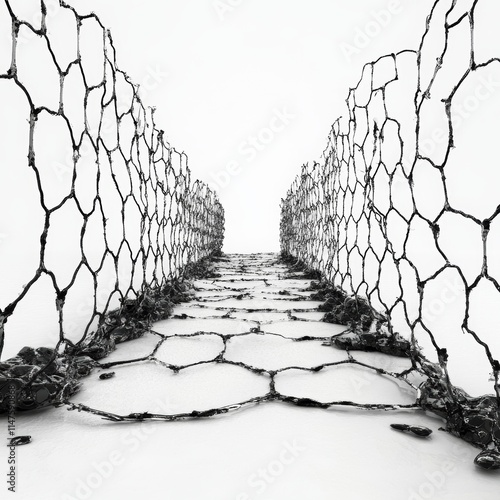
(217, 75)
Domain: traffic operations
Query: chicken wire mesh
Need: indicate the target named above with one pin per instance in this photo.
(101, 216)
(354, 220)
(401, 217)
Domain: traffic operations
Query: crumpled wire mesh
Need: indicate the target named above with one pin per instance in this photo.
(375, 215)
(123, 217)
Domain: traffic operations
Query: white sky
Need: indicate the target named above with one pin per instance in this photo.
(217, 77)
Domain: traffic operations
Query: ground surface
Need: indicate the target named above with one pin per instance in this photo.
(248, 320)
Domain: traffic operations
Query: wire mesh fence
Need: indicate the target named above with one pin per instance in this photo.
(123, 223)
(103, 220)
(401, 220)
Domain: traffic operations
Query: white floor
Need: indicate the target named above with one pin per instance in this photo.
(272, 451)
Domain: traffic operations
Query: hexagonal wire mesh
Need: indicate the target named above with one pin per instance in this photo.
(401, 215)
(357, 218)
(104, 217)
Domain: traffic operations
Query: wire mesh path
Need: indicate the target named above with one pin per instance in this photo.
(251, 334)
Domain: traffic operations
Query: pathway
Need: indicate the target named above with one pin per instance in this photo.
(251, 334)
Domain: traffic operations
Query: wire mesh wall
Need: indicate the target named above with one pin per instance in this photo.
(97, 208)
(401, 210)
